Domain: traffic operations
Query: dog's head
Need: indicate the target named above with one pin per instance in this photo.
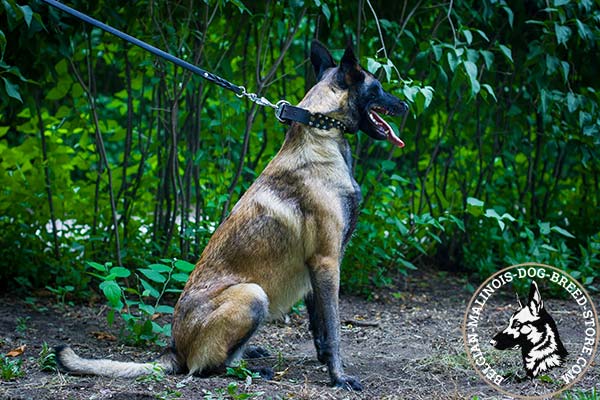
(526, 326)
(354, 96)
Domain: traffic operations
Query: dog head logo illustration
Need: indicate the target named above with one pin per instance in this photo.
(533, 329)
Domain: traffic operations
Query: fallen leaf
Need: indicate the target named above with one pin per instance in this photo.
(104, 336)
(17, 351)
(155, 316)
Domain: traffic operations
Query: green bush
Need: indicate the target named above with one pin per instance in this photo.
(109, 154)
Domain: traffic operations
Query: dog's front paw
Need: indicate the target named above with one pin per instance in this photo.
(256, 352)
(348, 382)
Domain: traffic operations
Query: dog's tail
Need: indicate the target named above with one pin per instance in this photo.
(68, 361)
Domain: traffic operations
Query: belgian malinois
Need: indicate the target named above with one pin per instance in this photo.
(283, 240)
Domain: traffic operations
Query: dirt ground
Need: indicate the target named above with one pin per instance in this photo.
(406, 343)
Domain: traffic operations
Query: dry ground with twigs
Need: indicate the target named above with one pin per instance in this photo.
(406, 343)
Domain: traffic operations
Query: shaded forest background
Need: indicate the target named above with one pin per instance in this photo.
(113, 163)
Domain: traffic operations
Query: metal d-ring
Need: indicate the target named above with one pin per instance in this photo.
(279, 109)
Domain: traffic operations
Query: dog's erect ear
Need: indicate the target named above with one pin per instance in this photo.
(350, 72)
(535, 302)
(320, 58)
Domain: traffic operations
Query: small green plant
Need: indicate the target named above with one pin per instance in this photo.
(31, 302)
(156, 375)
(241, 371)
(22, 324)
(46, 360)
(233, 391)
(10, 368)
(61, 293)
(139, 304)
(169, 394)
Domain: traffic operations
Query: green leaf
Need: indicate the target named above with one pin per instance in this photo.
(149, 290)
(180, 277)
(488, 57)
(471, 69)
(27, 14)
(154, 276)
(544, 227)
(61, 89)
(509, 13)
(184, 266)
(164, 309)
(326, 11)
(437, 51)
(468, 36)
(482, 34)
(112, 291)
(14, 13)
(410, 92)
(148, 309)
(490, 90)
(552, 64)
(453, 60)
(472, 201)
(562, 231)
(97, 266)
(241, 7)
(572, 102)
(563, 33)
(120, 272)
(427, 92)
(12, 89)
(491, 213)
(160, 267)
(474, 206)
(373, 65)
(583, 30)
(507, 52)
(560, 3)
(565, 68)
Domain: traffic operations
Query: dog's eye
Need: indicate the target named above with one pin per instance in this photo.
(516, 325)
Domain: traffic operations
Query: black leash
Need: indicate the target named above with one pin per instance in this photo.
(284, 111)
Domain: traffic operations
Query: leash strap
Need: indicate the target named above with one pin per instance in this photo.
(284, 111)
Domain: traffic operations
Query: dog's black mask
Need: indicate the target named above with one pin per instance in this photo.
(366, 98)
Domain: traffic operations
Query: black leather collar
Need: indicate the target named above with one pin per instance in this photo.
(288, 113)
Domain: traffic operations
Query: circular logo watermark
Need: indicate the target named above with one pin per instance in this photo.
(531, 331)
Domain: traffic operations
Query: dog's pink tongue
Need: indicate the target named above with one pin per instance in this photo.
(391, 136)
(395, 139)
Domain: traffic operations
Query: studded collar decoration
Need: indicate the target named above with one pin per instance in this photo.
(289, 113)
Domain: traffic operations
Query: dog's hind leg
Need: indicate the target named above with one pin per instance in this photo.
(220, 337)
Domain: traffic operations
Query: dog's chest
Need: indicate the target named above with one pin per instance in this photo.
(350, 203)
(349, 198)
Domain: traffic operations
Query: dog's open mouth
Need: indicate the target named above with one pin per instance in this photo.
(382, 127)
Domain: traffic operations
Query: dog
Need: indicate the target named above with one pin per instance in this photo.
(533, 330)
(283, 240)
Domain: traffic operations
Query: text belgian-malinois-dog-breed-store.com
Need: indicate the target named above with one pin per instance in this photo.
(282, 241)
